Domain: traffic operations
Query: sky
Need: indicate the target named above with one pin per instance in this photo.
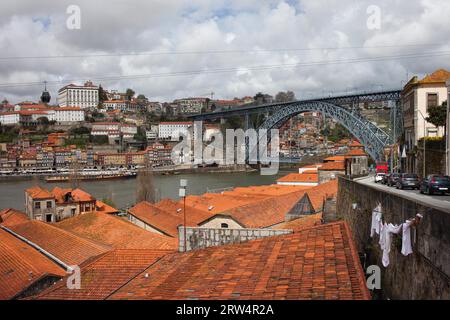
(168, 49)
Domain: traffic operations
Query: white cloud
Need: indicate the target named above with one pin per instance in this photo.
(240, 29)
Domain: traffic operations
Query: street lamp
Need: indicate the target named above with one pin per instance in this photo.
(424, 142)
(182, 194)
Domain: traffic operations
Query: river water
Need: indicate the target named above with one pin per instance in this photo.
(123, 192)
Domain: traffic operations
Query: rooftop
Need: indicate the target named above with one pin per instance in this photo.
(21, 266)
(300, 177)
(320, 262)
(333, 166)
(66, 246)
(115, 232)
(103, 276)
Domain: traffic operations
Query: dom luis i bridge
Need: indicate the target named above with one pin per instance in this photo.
(344, 109)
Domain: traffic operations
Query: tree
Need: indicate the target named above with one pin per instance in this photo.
(145, 190)
(130, 94)
(287, 96)
(102, 96)
(438, 116)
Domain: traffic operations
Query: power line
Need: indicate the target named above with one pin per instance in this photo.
(240, 51)
(234, 69)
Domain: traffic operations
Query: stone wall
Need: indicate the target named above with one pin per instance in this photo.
(198, 238)
(425, 274)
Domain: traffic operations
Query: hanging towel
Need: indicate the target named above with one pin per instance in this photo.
(406, 238)
(376, 220)
(388, 230)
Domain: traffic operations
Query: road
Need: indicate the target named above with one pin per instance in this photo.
(436, 201)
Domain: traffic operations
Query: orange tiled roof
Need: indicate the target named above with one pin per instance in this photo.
(316, 263)
(167, 216)
(38, 192)
(105, 208)
(355, 143)
(9, 217)
(356, 152)
(301, 223)
(81, 196)
(21, 266)
(300, 177)
(440, 75)
(332, 166)
(102, 277)
(116, 232)
(335, 158)
(272, 210)
(66, 246)
(322, 191)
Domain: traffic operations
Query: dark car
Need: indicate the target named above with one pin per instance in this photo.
(385, 178)
(392, 179)
(408, 180)
(435, 183)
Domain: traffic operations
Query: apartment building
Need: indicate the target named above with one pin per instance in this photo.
(417, 97)
(83, 96)
(173, 130)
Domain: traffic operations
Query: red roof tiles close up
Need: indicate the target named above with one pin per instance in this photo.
(315, 263)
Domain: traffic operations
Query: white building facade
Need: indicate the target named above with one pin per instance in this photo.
(417, 97)
(85, 96)
(173, 130)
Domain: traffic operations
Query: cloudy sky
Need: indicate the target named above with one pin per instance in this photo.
(171, 49)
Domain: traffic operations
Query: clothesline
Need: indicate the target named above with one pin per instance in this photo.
(385, 231)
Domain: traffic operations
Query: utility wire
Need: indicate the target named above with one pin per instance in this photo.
(235, 69)
(240, 51)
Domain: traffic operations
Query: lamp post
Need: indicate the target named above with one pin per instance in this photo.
(424, 143)
(182, 193)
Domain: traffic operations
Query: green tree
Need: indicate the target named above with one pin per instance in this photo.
(130, 93)
(102, 96)
(438, 116)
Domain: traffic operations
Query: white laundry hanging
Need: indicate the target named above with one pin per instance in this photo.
(388, 230)
(376, 220)
(406, 238)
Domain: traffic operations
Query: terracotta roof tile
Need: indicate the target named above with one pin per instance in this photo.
(166, 217)
(106, 274)
(333, 166)
(300, 177)
(21, 266)
(38, 192)
(105, 208)
(66, 246)
(315, 263)
(356, 152)
(301, 223)
(334, 158)
(116, 232)
(9, 217)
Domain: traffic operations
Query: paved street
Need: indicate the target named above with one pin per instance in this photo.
(437, 201)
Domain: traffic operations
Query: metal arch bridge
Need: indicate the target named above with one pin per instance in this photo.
(340, 108)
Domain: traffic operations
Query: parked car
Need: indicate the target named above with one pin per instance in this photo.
(385, 178)
(408, 180)
(435, 183)
(379, 177)
(392, 180)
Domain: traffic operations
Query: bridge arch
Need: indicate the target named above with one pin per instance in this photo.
(372, 137)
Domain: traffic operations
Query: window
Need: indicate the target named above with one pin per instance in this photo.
(224, 225)
(37, 205)
(49, 204)
(432, 100)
